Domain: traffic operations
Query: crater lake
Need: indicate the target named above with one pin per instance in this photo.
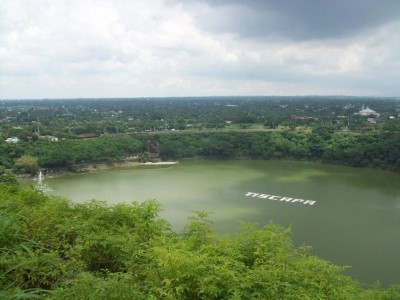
(349, 216)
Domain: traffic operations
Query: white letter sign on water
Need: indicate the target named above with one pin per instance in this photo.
(280, 198)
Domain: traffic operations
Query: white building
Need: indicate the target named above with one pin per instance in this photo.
(13, 140)
(368, 112)
(49, 137)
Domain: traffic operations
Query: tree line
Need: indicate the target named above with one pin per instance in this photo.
(357, 150)
(28, 120)
(68, 154)
(376, 150)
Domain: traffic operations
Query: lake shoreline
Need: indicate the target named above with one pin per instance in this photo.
(100, 167)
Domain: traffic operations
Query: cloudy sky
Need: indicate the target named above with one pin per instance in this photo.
(155, 48)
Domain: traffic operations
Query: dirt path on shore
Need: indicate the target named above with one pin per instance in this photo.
(125, 164)
(98, 167)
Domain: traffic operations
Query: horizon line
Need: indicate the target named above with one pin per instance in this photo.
(182, 97)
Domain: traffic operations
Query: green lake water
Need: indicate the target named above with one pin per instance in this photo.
(354, 221)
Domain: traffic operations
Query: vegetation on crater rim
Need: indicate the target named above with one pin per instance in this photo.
(51, 248)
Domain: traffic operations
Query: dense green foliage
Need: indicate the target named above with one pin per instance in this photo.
(327, 129)
(362, 150)
(51, 248)
(70, 117)
(69, 153)
(377, 150)
(7, 177)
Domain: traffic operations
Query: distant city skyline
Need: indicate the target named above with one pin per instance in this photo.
(171, 48)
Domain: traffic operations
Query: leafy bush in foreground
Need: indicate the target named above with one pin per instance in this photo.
(51, 248)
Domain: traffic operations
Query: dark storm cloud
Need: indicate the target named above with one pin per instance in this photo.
(295, 19)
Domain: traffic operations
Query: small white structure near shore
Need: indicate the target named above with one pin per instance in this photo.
(39, 182)
(40, 186)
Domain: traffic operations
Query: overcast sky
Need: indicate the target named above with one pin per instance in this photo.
(156, 48)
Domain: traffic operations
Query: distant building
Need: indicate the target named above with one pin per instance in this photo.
(49, 137)
(12, 140)
(367, 112)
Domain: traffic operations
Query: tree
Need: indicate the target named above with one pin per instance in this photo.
(27, 164)
(7, 177)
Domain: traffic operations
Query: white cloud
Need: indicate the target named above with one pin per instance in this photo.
(106, 48)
